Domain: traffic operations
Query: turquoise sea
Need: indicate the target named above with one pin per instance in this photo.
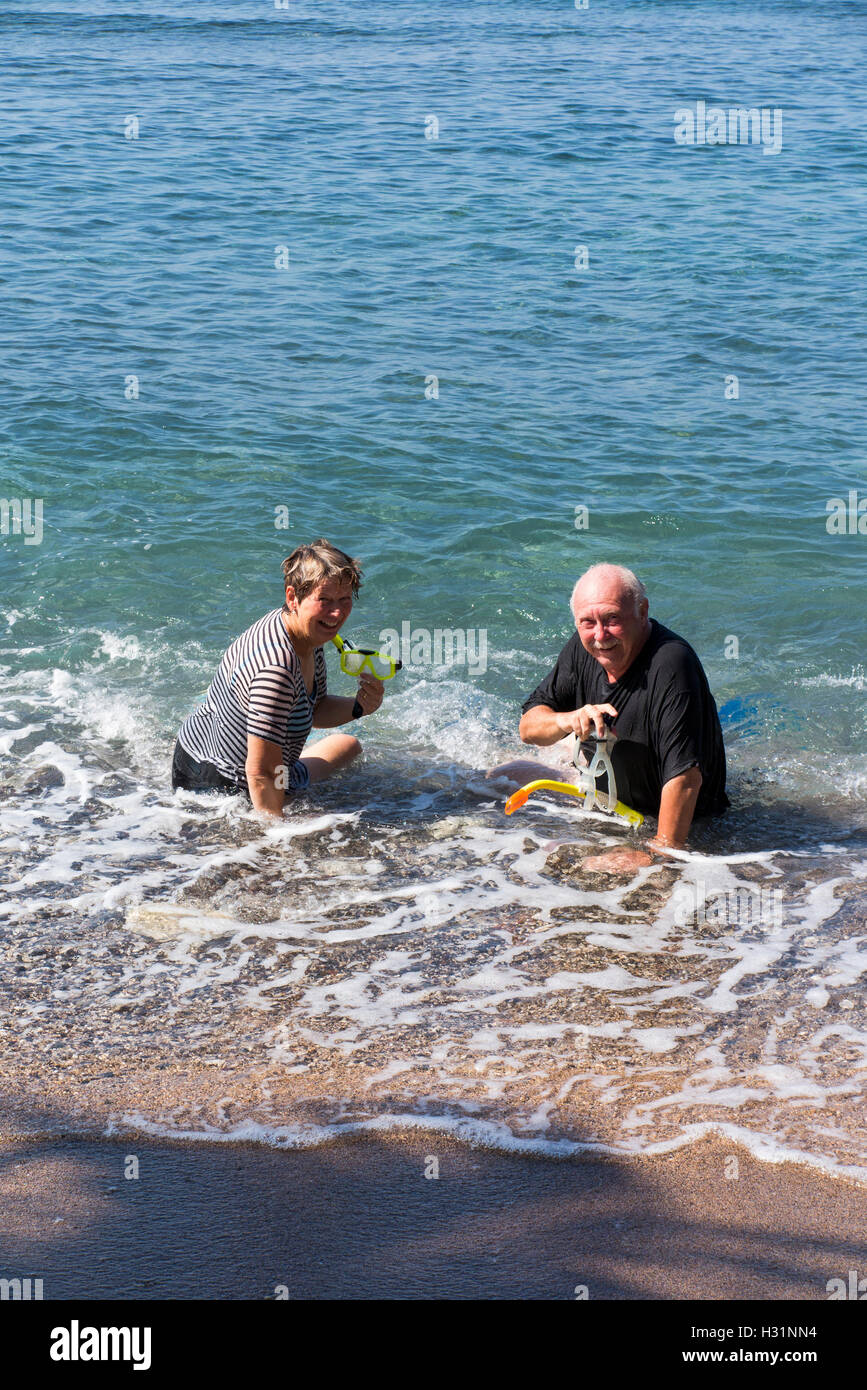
(275, 273)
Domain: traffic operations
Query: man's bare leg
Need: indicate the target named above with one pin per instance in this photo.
(524, 770)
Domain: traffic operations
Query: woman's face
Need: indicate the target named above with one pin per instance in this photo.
(323, 612)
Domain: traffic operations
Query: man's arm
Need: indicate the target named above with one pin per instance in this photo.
(542, 725)
(676, 810)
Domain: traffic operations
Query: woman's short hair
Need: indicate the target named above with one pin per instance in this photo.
(309, 565)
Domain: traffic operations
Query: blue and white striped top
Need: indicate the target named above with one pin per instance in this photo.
(259, 689)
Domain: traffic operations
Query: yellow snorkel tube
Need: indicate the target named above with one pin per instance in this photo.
(517, 799)
(586, 787)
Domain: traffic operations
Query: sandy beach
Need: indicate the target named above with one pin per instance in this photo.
(358, 1219)
(503, 347)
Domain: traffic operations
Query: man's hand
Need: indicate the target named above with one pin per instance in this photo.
(587, 720)
(543, 726)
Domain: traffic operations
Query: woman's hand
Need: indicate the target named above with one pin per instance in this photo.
(370, 692)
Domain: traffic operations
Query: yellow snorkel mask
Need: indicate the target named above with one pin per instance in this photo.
(354, 660)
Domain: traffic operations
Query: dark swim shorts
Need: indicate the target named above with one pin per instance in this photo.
(194, 776)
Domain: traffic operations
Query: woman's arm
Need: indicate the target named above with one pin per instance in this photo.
(337, 709)
(332, 710)
(264, 759)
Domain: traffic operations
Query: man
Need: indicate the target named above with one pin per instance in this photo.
(668, 757)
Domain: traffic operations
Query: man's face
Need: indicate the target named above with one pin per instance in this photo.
(609, 627)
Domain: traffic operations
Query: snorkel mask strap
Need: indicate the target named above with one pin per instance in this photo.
(343, 644)
(588, 777)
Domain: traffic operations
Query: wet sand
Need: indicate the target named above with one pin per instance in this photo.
(358, 1219)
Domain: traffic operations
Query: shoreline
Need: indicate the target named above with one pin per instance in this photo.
(364, 1217)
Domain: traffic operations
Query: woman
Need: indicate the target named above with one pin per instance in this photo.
(270, 690)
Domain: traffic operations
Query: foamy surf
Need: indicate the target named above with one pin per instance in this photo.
(482, 1135)
(399, 953)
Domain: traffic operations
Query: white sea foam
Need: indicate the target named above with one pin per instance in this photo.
(483, 1134)
(856, 680)
(425, 938)
(13, 736)
(120, 648)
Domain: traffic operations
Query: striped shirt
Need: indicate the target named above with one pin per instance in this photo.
(259, 689)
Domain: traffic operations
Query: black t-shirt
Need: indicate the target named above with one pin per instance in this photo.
(666, 721)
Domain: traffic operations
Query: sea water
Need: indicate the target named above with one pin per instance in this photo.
(436, 282)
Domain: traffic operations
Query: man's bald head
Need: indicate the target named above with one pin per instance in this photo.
(611, 581)
(609, 605)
